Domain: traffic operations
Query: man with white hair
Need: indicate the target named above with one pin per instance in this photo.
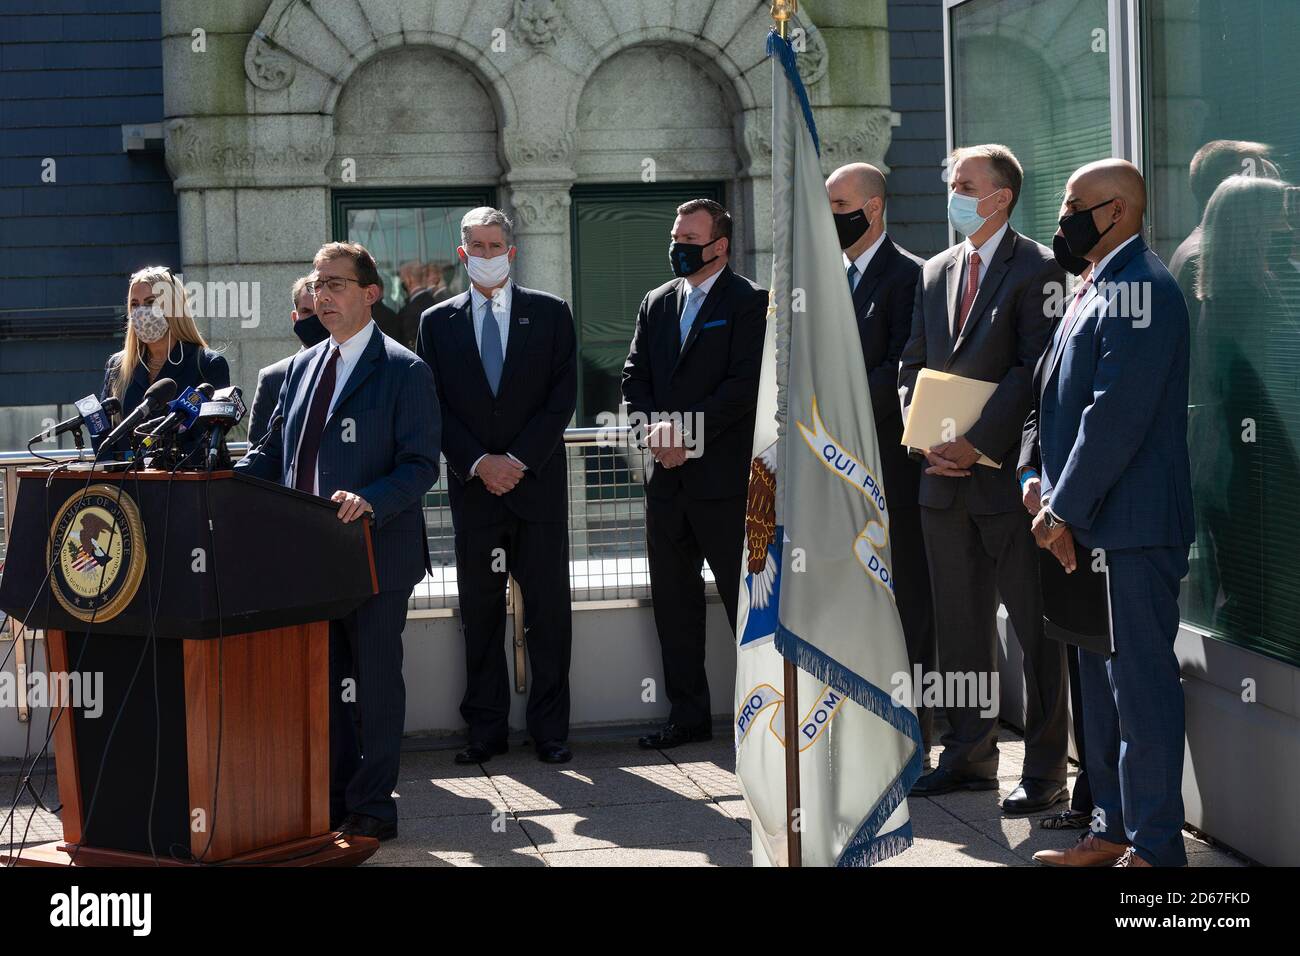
(505, 362)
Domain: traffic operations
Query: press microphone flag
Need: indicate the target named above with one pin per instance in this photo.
(155, 399)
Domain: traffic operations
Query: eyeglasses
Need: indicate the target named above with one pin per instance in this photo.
(335, 284)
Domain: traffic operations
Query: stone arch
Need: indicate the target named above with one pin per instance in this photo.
(622, 117)
(414, 114)
(303, 54)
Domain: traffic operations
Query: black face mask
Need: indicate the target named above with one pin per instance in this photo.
(1070, 263)
(687, 258)
(851, 226)
(1080, 232)
(310, 331)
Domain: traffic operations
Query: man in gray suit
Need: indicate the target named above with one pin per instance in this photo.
(983, 311)
(309, 331)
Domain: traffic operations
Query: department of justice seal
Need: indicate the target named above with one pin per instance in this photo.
(97, 553)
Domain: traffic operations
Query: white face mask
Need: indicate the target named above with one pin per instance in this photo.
(488, 273)
(150, 323)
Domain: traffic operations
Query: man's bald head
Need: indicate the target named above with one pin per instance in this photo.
(1117, 195)
(857, 182)
(853, 187)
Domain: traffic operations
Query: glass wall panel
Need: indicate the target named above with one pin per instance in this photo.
(1222, 148)
(1033, 75)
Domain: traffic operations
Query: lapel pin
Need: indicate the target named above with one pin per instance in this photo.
(523, 320)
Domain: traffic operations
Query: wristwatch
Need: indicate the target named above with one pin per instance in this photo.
(1050, 519)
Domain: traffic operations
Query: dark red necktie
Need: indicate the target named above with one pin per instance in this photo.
(972, 289)
(304, 473)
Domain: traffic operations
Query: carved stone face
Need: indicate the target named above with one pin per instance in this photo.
(538, 21)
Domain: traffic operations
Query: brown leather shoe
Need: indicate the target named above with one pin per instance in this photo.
(1130, 858)
(1092, 850)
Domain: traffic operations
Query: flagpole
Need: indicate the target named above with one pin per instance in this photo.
(782, 11)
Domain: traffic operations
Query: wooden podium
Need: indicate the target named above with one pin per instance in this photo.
(212, 643)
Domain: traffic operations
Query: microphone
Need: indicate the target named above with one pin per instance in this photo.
(181, 414)
(223, 413)
(155, 399)
(91, 412)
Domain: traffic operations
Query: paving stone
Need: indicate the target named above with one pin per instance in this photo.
(435, 763)
(717, 780)
(528, 857)
(451, 796)
(651, 825)
(714, 853)
(453, 837)
(568, 787)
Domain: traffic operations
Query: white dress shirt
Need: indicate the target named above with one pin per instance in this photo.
(350, 353)
(986, 252)
(501, 301)
(704, 286)
(862, 261)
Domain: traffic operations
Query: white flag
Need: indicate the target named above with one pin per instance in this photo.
(816, 579)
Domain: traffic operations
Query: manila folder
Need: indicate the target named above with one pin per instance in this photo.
(943, 407)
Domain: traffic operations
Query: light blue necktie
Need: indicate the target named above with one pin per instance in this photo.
(853, 277)
(693, 303)
(490, 347)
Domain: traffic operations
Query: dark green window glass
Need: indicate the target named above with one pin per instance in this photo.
(1034, 75)
(1221, 79)
(620, 252)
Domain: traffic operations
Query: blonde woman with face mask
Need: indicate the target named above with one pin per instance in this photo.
(162, 341)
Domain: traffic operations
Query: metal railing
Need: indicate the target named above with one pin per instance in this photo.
(607, 553)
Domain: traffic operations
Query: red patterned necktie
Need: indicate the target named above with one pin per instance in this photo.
(972, 288)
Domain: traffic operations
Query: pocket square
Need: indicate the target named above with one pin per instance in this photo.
(713, 325)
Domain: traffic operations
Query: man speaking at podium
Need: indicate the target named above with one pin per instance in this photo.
(358, 423)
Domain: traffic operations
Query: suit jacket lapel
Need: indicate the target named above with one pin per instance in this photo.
(871, 278)
(301, 399)
(462, 334)
(954, 294)
(997, 271)
(707, 308)
(670, 337)
(517, 334)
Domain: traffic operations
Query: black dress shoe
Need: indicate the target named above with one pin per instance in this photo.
(553, 751)
(361, 824)
(480, 753)
(1033, 795)
(674, 735)
(944, 780)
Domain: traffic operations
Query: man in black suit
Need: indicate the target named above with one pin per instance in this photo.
(505, 361)
(361, 428)
(309, 331)
(691, 387)
(882, 278)
(983, 310)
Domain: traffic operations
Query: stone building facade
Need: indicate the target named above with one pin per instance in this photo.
(272, 108)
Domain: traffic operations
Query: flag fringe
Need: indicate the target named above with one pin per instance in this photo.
(867, 846)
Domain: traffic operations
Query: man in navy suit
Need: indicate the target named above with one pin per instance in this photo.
(361, 427)
(505, 359)
(691, 383)
(882, 278)
(1111, 431)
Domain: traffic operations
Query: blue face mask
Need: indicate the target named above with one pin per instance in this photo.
(962, 213)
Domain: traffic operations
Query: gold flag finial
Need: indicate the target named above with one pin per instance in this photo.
(782, 11)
